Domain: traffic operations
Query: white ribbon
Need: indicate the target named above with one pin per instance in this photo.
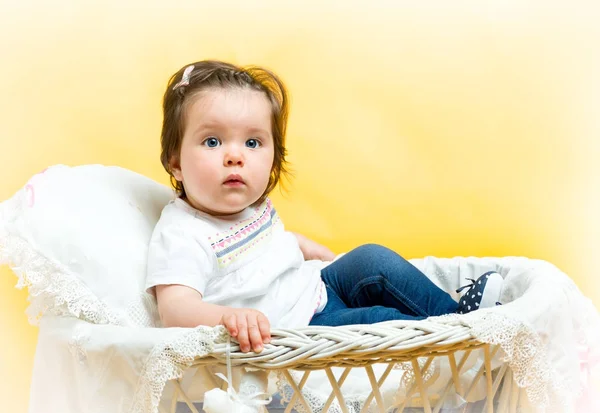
(217, 401)
(185, 78)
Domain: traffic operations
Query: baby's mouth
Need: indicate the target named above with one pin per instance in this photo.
(234, 180)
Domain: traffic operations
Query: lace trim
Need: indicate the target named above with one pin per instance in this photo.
(316, 402)
(143, 311)
(408, 377)
(524, 353)
(53, 289)
(77, 347)
(168, 361)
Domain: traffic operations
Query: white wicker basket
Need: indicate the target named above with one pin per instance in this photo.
(360, 347)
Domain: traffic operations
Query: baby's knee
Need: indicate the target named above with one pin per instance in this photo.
(374, 251)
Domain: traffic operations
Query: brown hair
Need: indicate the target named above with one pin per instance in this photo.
(215, 74)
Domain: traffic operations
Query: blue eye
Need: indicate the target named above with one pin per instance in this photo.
(211, 142)
(252, 143)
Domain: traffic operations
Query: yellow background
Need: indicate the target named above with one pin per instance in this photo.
(436, 128)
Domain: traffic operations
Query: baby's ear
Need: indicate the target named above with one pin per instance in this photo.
(175, 167)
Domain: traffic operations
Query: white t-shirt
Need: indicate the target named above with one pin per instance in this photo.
(246, 260)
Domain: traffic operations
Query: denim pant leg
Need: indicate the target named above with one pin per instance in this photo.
(337, 313)
(372, 283)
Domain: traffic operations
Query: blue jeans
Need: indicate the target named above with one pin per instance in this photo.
(372, 283)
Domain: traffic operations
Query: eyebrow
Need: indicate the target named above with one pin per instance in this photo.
(213, 126)
(259, 131)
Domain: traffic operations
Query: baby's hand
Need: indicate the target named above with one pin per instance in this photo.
(250, 327)
(312, 250)
(318, 252)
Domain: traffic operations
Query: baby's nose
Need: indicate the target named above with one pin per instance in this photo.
(234, 158)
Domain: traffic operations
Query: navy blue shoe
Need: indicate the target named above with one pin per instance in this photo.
(483, 292)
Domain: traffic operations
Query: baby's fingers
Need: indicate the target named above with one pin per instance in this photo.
(242, 336)
(264, 327)
(230, 323)
(324, 253)
(254, 333)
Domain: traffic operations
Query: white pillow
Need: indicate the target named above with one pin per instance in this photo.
(78, 237)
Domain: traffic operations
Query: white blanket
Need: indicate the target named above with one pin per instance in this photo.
(549, 331)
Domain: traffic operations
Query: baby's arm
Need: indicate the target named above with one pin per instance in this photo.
(181, 306)
(312, 250)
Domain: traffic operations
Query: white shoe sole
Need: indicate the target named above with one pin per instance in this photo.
(493, 288)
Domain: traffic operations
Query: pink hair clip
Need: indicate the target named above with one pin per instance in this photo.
(185, 79)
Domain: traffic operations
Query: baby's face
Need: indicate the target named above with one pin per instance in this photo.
(227, 150)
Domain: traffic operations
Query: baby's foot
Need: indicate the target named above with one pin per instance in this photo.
(481, 293)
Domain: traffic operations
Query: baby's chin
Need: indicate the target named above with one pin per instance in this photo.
(230, 208)
(224, 206)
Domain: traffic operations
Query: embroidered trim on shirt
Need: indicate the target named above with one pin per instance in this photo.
(322, 295)
(244, 236)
